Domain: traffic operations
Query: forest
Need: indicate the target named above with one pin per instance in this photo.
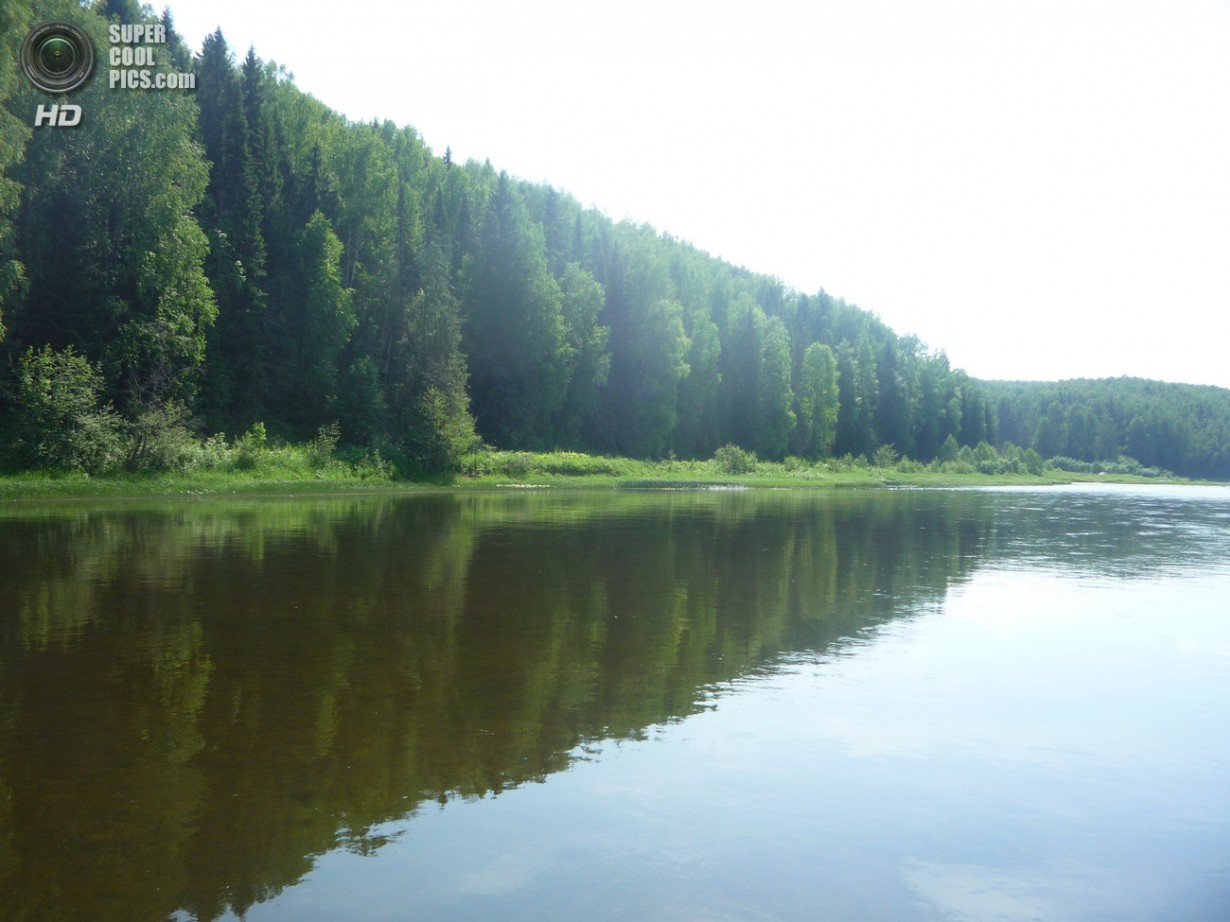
(239, 262)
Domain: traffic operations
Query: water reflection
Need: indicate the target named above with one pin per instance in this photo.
(199, 700)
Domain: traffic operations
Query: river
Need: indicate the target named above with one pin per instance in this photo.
(994, 704)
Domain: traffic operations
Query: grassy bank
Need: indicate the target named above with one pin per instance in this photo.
(293, 470)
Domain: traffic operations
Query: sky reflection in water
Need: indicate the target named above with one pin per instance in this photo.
(915, 705)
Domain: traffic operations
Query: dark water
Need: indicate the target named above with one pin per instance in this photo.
(957, 705)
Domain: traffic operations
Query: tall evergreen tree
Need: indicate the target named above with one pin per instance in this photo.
(697, 433)
(588, 346)
(740, 372)
(514, 332)
(236, 390)
(306, 368)
(648, 345)
(427, 384)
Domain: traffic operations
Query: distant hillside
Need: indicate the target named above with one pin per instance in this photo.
(1184, 428)
(241, 259)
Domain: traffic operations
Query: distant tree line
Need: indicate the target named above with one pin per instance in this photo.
(194, 263)
(1184, 428)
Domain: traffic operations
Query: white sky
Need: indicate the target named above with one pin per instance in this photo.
(1040, 188)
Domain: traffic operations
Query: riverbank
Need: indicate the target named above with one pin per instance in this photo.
(523, 470)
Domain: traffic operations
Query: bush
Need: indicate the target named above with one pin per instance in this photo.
(213, 454)
(731, 459)
(160, 440)
(986, 458)
(251, 447)
(320, 449)
(1033, 462)
(848, 462)
(56, 422)
(884, 457)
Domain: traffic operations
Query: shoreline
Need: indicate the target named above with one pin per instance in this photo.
(26, 488)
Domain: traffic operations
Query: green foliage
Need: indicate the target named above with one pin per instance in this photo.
(639, 411)
(444, 434)
(521, 464)
(231, 215)
(1179, 427)
(14, 134)
(1033, 462)
(588, 349)
(56, 420)
(320, 450)
(325, 321)
(250, 448)
(245, 254)
(654, 369)
(848, 462)
(113, 254)
(361, 405)
(160, 440)
(429, 417)
(776, 419)
(818, 400)
(950, 448)
(1121, 465)
(884, 457)
(514, 332)
(696, 431)
(731, 459)
(986, 458)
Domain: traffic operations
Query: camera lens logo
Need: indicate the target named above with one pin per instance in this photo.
(58, 57)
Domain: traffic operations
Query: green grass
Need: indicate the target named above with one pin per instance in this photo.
(41, 486)
(495, 469)
(293, 470)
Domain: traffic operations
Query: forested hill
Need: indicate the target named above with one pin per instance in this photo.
(240, 258)
(1177, 427)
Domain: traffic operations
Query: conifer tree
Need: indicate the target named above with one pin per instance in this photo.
(236, 388)
(514, 334)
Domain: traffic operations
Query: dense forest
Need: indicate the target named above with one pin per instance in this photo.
(240, 261)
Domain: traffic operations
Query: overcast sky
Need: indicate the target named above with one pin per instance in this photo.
(1041, 189)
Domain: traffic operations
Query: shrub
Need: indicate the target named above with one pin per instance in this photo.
(160, 440)
(251, 447)
(1033, 462)
(884, 457)
(56, 421)
(516, 463)
(986, 458)
(213, 454)
(373, 466)
(731, 459)
(320, 449)
(848, 462)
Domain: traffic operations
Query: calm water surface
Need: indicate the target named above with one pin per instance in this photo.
(912, 705)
